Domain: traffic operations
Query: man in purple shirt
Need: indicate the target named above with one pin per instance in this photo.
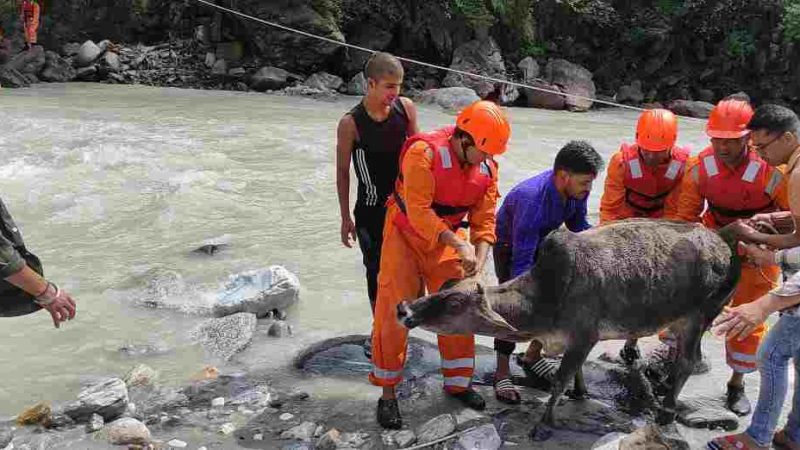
(533, 209)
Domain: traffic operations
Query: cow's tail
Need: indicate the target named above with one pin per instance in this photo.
(723, 294)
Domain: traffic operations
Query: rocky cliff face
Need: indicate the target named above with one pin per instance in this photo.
(639, 51)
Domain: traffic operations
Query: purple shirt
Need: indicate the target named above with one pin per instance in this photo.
(531, 211)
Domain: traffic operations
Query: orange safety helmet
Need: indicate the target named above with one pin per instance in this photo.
(657, 130)
(729, 119)
(487, 125)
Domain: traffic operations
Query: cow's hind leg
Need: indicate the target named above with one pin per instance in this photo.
(578, 391)
(689, 333)
(574, 356)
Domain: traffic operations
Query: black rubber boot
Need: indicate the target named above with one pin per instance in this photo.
(737, 400)
(470, 399)
(389, 414)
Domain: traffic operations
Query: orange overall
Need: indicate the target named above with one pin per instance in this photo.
(412, 255)
(730, 194)
(632, 189)
(30, 20)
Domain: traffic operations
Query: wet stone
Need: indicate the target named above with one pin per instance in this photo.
(436, 428)
(707, 413)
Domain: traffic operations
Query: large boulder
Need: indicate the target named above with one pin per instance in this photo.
(529, 68)
(357, 85)
(542, 98)
(111, 60)
(108, 398)
(269, 78)
(573, 79)
(226, 336)
(368, 34)
(631, 94)
(127, 431)
(289, 50)
(56, 69)
(29, 62)
(87, 54)
(454, 98)
(324, 82)
(220, 67)
(70, 49)
(87, 73)
(482, 57)
(741, 95)
(230, 51)
(690, 108)
(258, 291)
(11, 78)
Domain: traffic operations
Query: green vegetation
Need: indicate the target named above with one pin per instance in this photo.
(515, 14)
(533, 49)
(637, 36)
(475, 12)
(740, 43)
(791, 20)
(669, 7)
(140, 6)
(578, 6)
(328, 8)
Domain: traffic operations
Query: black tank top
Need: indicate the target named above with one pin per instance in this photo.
(375, 156)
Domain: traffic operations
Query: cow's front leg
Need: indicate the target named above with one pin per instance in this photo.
(575, 355)
(689, 334)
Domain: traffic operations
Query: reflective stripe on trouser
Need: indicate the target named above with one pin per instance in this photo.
(741, 355)
(404, 267)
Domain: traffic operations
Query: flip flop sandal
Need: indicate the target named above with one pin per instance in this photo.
(732, 442)
(543, 370)
(781, 441)
(503, 388)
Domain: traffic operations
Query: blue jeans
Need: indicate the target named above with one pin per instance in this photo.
(781, 344)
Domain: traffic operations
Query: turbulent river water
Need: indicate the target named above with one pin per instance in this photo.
(113, 184)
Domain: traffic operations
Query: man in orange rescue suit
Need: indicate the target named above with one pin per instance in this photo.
(31, 9)
(642, 181)
(445, 177)
(735, 183)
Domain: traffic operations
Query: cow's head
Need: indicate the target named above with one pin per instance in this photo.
(454, 311)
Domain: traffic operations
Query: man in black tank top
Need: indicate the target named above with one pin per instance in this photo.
(371, 136)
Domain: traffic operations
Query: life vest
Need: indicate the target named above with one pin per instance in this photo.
(646, 191)
(739, 193)
(457, 189)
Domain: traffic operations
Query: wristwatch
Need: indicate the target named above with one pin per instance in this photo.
(49, 295)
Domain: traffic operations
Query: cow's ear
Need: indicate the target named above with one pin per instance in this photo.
(500, 322)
